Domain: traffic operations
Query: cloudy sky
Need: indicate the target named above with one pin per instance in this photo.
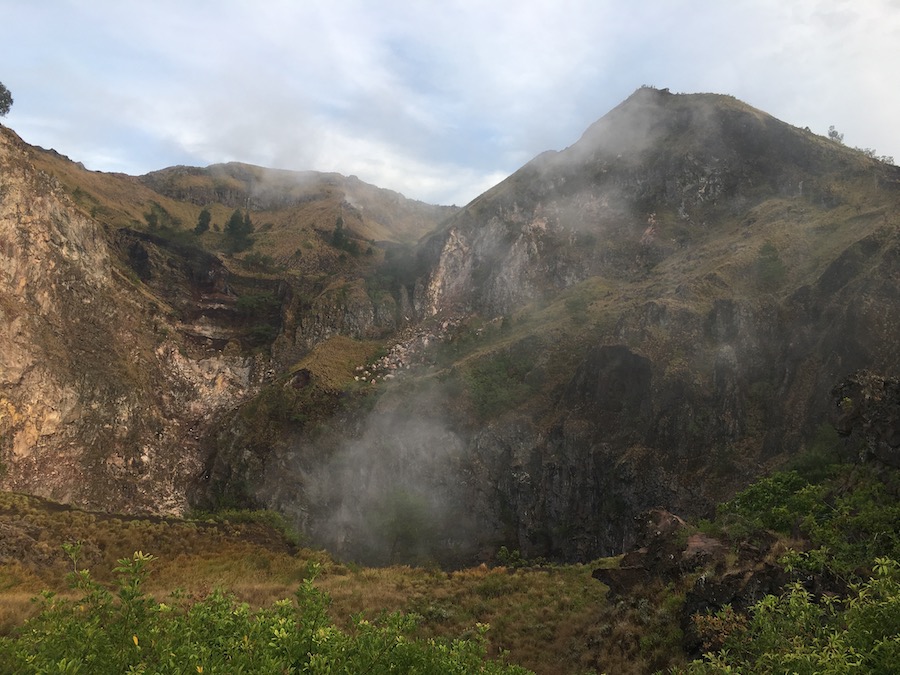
(438, 100)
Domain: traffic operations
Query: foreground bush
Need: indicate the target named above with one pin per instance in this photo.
(796, 633)
(129, 632)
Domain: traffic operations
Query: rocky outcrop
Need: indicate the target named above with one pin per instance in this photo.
(866, 410)
(344, 308)
(662, 553)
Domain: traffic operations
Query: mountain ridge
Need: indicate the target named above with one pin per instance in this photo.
(653, 315)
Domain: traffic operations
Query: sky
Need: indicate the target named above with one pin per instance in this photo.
(436, 100)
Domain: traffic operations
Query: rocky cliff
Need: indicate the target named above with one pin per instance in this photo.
(101, 401)
(734, 268)
(127, 339)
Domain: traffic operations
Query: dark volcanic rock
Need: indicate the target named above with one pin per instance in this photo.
(613, 381)
(662, 553)
(867, 408)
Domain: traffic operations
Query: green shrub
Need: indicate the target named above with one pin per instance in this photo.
(128, 632)
(797, 633)
(858, 524)
(265, 517)
(259, 262)
(777, 502)
(851, 516)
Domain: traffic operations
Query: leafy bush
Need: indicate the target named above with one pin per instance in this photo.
(852, 517)
(129, 632)
(796, 633)
(777, 502)
(260, 311)
(6, 100)
(203, 221)
(237, 231)
(259, 262)
(858, 524)
(267, 517)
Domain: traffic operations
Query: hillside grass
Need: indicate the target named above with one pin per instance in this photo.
(540, 616)
(333, 362)
(296, 237)
(818, 518)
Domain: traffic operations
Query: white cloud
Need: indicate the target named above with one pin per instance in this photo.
(433, 100)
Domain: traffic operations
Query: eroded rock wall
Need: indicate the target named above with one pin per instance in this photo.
(101, 403)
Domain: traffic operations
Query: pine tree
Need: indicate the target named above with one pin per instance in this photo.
(203, 221)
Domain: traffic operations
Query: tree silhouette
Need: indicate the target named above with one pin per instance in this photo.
(6, 100)
(203, 222)
(238, 229)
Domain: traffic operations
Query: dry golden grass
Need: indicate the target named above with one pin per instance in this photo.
(543, 617)
(333, 361)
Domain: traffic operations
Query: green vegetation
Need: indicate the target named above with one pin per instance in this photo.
(260, 313)
(259, 262)
(551, 618)
(849, 519)
(843, 524)
(203, 221)
(265, 517)
(835, 135)
(501, 381)
(128, 631)
(545, 619)
(159, 218)
(797, 633)
(838, 137)
(340, 239)
(255, 305)
(6, 100)
(237, 231)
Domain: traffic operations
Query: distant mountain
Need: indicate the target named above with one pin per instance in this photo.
(371, 212)
(680, 289)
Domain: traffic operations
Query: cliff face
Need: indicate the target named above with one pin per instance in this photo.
(125, 344)
(668, 303)
(94, 394)
(721, 271)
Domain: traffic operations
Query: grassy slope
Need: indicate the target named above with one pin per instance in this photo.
(297, 236)
(551, 619)
(544, 616)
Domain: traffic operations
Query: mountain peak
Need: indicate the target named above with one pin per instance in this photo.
(657, 124)
(659, 166)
